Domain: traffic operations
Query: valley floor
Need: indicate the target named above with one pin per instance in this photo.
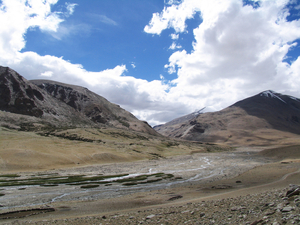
(245, 186)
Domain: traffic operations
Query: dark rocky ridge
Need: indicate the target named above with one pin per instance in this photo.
(282, 112)
(18, 95)
(96, 108)
(57, 104)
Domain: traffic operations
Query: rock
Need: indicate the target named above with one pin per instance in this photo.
(275, 223)
(202, 214)
(270, 212)
(256, 222)
(287, 209)
(185, 211)
(280, 206)
(150, 217)
(293, 190)
(237, 208)
(175, 197)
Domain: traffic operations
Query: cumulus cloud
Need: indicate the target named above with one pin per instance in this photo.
(172, 16)
(17, 16)
(175, 46)
(174, 36)
(239, 50)
(70, 8)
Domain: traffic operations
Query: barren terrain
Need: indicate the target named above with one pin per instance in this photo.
(171, 183)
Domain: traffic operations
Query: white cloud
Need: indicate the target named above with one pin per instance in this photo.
(17, 16)
(173, 16)
(103, 19)
(174, 36)
(47, 74)
(67, 30)
(133, 65)
(70, 8)
(238, 51)
(175, 46)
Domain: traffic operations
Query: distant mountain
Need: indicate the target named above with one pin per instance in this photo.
(181, 119)
(259, 119)
(282, 112)
(50, 103)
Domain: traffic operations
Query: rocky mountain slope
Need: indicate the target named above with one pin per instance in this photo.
(41, 103)
(96, 108)
(181, 119)
(259, 119)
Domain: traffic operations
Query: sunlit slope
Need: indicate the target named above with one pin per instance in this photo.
(80, 147)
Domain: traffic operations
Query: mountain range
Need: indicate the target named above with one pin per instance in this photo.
(257, 120)
(263, 119)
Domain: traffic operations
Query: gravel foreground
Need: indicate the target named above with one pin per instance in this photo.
(260, 195)
(270, 207)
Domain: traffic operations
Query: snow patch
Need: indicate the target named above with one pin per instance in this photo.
(296, 99)
(271, 94)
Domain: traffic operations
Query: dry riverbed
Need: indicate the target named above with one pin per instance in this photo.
(168, 191)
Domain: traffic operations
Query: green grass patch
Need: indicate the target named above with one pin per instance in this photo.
(57, 180)
(10, 175)
(84, 181)
(90, 186)
(130, 184)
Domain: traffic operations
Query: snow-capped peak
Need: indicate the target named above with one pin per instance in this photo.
(271, 94)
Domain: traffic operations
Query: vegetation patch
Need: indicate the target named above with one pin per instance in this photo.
(90, 186)
(130, 184)
(170, 143)
(85, 181)
(157, 156)
(10, 175)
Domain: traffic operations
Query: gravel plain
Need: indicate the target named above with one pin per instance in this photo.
(240, 187)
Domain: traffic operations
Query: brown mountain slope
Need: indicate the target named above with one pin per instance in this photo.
(43, 103)
(266, 118)
(19, 96)
(93, 106)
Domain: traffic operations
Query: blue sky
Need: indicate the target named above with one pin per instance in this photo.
(103, 34)
(159, 59)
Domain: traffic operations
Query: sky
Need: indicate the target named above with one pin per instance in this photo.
(158, 59)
